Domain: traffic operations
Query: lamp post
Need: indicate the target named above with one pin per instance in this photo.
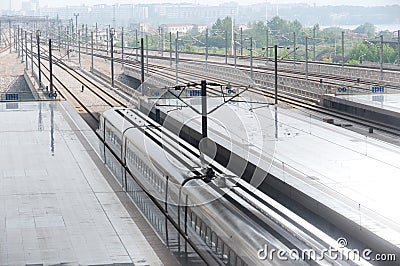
(112, 32)
(38, 52)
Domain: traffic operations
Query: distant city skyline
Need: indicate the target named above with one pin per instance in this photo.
(16, 4)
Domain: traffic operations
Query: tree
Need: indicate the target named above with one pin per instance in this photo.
(366, 28)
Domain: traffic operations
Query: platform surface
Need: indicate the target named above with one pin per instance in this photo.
(386, 101)
(55, 205)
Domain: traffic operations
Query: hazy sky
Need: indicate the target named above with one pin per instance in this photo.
(16, 4)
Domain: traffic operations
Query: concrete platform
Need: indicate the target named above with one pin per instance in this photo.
(382, 108)
(56, 206)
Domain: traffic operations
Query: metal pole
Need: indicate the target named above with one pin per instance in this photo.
(32, 53)
(0, 33)
(147, 54)
(122, 45)
(241, 41)
(398, 47)
(266, 46)
(76, 21)
(176, 58)
(91, 38)
(86, 39)
(381, 59)
(26, 51)
(51, 69)
(251, 57)
(22, 46)
(276, 72)
(38, 53)
(79, 47)
(97, 30)
(136, 39)
(170, 49)
(59, 37)
(17, 44)
(142, 61)
(107, 39)
(294, 49)
(68, 42)
(234, 47)
(206, 46)
(342, 48)
(306, 58)
(204, 109)
(314, 36)
(9, 33)
(226, 47)
(112, 57)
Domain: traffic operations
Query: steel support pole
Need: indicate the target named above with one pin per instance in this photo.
(342, 48)
(206, 46)
(122, 46)
(314, 37)
(38, 53)
(107, 39)
(68, 41)
(92, 55)
(17, 44)
(142, 61)
(381, 59)
(170, 49)
(9, 33)
(204, 109)
(79, 47)
(276, 73)
(97, 30)
(86, 39)
(136, 40)
(112, 58)
(294, 49)
(59, 37)
(266, 46)
(176, 57)
(147, 54)
(51, 68)
(234, 47)
(251, 57)
(226, 47)
(26, 51)
(306, 58)
(32, 53)
(22, 46)
(241, 41)
(0, 33)
(398, 47)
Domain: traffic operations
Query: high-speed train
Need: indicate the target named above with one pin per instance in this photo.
(225, 220)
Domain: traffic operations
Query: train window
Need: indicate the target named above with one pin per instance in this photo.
(220, 248)
(203, 230)
(213, 241)
(225, 253)
(208, 237)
